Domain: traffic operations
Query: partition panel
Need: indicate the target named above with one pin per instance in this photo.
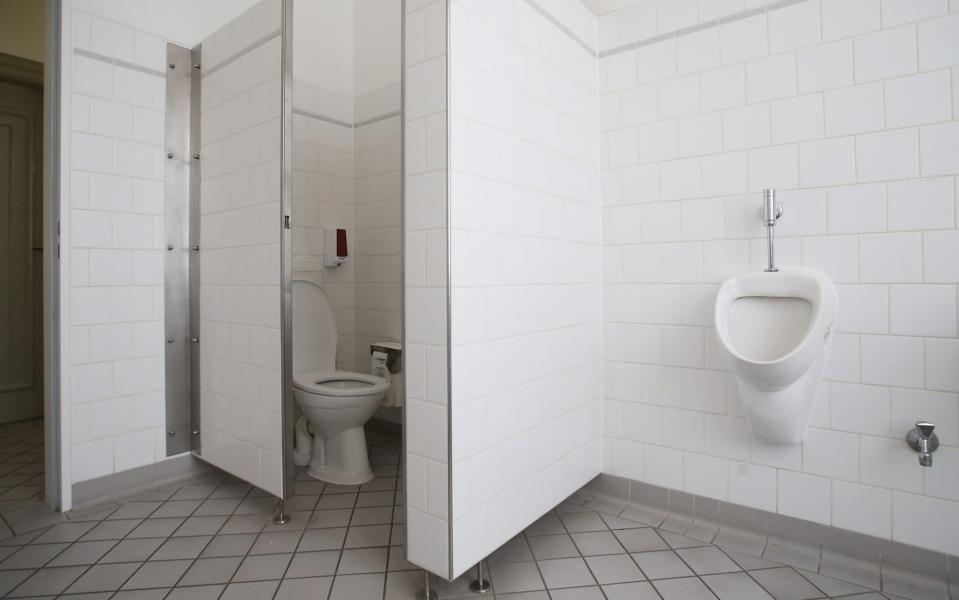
(241, 218)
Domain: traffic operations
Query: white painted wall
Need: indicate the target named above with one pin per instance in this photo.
(849, 109)
(526, 318)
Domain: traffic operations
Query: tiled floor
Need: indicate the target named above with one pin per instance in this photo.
(21, 463)
(214, 539)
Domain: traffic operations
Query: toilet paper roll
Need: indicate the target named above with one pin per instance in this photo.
(379, 365)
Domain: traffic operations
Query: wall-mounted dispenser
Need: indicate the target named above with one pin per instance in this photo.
(334, 250)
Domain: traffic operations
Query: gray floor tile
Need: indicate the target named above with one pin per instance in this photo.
(677, 541)
(362, 560)
(135, 510)
(640, 540)
(661, 564)
(565, 572)
(244, 524)
(111, 530)
(614, 522)
(276, 542)
(545, 547)
(631, 591)
(32, 557)
(515, 550)
(335, 501)
(548, 524)
(832, 587)
(176, 508)
(516, 577)
(368, 536)
(403, 585)
(154, 594)
(82, 553)
(614, 568)
(315, 588)
(294, 503)
(331, 518)
(64, 532)
(353, 587)
(313, 564)
(48, 581)
(158, 574)
(708, 560)
(786, 584)
(253, 590)
(231, 490)
(686, 588)
(397, 560)
(201, 526)
(578, 593)
(372, 516)
(595, 543)
(153, 528)
(183, 547)
(747, 562)
(397, 534)
(132, 550)
(194, 492)
(219, 506)
(370, 499)
(735, 586)
(265, 566)
(103, 578)
(230, 545)
(204, 592)
(578, 522)
(322, 539)
(206, 571)
(524, 596)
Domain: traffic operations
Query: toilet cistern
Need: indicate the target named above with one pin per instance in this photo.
(771, 212)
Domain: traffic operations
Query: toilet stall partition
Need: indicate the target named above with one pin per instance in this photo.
(239, 392)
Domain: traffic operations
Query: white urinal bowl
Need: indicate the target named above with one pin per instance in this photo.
(775, 329)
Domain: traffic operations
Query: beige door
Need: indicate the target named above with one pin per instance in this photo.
(21, 253)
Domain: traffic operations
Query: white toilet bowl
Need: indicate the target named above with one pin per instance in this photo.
(335, 403)
(775, 329)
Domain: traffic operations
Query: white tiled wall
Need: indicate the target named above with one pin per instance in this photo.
(526, 318)
(347, 172)
(425, 286)
(849, 109)
(116, 359)
(241, 397)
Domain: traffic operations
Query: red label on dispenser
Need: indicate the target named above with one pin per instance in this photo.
(341, 242)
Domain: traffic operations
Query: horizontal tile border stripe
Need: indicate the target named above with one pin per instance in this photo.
(357, 125)
(236, 55)
(561, 27)
(745, 14)
(117, 62)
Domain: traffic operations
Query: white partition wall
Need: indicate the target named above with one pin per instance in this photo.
(525, 266)
(241, 397)
(426, 431)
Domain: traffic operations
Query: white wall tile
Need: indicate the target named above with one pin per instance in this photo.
(771, 78)
(939, 149)
(854, 109)
(891, 257)
(845, 18)
(805, 496)
(938, 45)
(862, 508)
(923, 310)
(888, 360)
(918, 99)
(887, 155)
(825, 67)
(885, 54)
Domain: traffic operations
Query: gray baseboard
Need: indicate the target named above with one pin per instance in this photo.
(872, 562)
(118, 486)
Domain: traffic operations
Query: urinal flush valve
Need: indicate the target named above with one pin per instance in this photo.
(771, 212)
(922, 439)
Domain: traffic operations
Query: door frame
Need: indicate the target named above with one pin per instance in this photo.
(46, 76)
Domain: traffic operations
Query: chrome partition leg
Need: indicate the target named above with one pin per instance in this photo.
(480, 585)
(281, 517)
(427, 593)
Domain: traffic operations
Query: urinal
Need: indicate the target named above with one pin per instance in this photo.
(775, 329)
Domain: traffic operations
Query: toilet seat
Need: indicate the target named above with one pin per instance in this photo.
(339, 384)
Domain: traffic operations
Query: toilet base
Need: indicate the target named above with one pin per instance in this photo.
(342, 459)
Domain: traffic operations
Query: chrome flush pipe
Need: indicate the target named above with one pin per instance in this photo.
(772, 210)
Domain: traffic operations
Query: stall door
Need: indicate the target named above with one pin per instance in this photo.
(241, 391)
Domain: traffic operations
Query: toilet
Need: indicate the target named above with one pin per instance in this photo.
(775, 330)
(335, 404)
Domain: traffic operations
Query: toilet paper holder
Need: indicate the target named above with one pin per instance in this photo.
(394, 357)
